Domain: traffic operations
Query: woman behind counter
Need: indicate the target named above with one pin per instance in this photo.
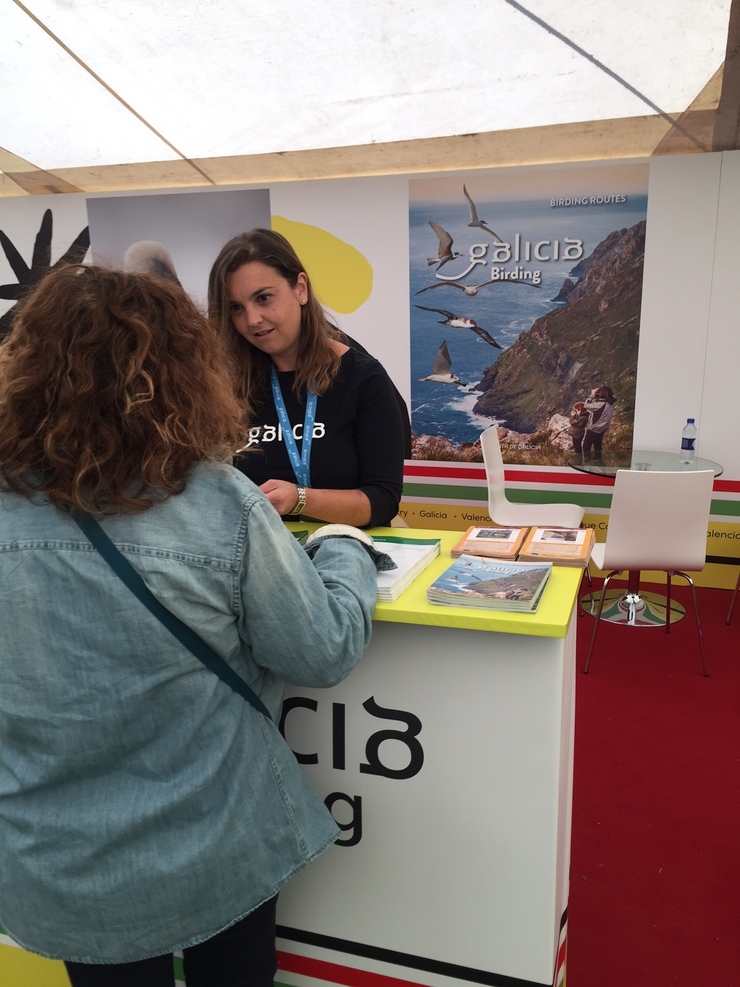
(145, 807)
(326, 437)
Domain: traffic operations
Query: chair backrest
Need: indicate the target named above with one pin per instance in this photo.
(502, 511)
(658, 520)
(494, 464)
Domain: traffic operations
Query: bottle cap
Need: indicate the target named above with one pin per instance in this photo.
(690, 421)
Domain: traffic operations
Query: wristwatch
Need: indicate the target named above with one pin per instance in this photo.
(301, 505)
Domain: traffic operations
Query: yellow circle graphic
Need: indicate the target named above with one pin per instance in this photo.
(341, 276)
(21, 969)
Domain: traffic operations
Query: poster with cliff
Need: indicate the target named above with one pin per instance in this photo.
(526, 290)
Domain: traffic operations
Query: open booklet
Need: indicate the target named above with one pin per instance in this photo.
(564, 546)
(490, 542)
(411, 556)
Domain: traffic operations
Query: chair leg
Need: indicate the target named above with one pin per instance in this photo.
(734, 598)
(596, 622)
(690, 581)
(668, 603)
(587, 573)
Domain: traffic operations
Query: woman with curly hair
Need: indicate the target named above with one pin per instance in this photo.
(327, 432)
(145, 806)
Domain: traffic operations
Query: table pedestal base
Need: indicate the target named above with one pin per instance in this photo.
(634, 609)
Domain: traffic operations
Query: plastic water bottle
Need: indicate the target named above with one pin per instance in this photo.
(688, 443)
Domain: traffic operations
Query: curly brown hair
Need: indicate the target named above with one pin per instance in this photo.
(112, 386)
(318, 360)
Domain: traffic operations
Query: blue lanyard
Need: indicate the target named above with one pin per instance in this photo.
(300, 464)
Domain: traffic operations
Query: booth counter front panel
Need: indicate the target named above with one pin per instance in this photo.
(446, 757)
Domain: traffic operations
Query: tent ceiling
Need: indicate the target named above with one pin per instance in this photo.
(96, 84)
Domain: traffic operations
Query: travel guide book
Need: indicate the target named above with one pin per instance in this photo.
(491, 542)
(491, 584)
(411, 555)
(564, 546)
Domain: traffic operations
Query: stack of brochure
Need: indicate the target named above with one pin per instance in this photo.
(564, 546)
(475, 582)
(411, 556)
(490, 542)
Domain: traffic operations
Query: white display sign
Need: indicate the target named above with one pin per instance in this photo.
(446, 759)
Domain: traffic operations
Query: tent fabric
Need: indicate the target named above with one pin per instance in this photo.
(214, 87)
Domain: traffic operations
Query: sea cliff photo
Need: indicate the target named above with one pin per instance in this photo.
(525, 295)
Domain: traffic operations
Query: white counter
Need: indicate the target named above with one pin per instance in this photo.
(447, 757)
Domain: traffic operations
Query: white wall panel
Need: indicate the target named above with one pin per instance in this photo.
(679, 257)
(718, 436)
(371, 214)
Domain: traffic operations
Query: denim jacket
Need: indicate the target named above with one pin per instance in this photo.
(145, 806)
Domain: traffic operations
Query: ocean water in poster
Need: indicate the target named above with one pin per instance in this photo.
(548, 283)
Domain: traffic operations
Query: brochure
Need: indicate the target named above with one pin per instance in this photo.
(564, 546)
(475, 582)
(490, 542)
(411, 555)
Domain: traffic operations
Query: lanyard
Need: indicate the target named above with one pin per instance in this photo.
(300, 463)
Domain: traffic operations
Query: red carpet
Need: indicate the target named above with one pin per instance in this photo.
(655, 870)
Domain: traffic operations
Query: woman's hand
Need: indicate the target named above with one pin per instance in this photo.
(282, 494)
(334, 506)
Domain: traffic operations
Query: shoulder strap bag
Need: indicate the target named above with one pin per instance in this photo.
(184, 634)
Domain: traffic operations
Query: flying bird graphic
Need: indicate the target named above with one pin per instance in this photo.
(459, 322)
(442, 367)
(475, 221)
(445, 252)
(473, 289)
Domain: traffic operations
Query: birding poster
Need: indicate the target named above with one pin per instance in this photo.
(526, 288)
(176, 235)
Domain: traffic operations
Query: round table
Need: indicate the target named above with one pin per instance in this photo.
(630, 606)
(642, 460)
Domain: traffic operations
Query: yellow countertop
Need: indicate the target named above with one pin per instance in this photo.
(550, 620)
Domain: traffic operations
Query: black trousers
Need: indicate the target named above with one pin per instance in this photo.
(592, 440)
(241, 956)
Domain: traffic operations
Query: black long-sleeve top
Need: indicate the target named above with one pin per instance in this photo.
(358, 439)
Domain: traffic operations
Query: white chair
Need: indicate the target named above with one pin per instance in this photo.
(506, 513)
(656, 521)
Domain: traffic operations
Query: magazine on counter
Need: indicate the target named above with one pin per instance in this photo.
(564, 546)
(411, 555)
(472, 581)
(490, 542)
